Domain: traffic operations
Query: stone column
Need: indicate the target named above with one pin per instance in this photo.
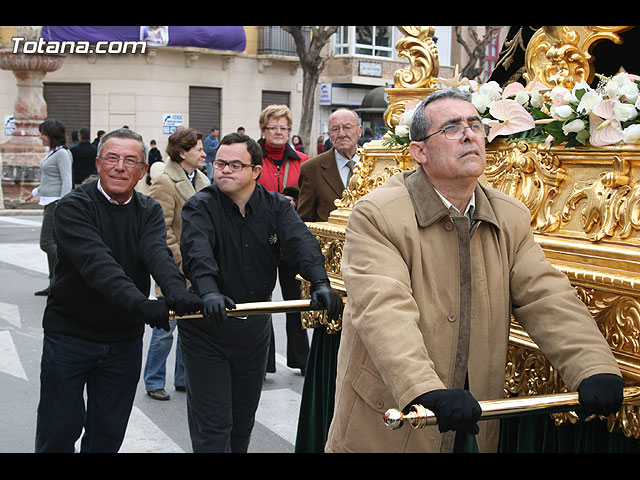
(22, 153)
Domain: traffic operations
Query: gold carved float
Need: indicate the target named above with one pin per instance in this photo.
(584, 203)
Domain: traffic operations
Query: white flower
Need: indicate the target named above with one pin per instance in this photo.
(631, 134)
(481, 101)
(402, 130)
(562, 96)
(624, 111)
(621, 86)
(561, 112)
(522, 97)
(537, 100)
(629, 91)
(406, 117)
(581, 85)
(573, 126)
(491, 89)
(589, 101)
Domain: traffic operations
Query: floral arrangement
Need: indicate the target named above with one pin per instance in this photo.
(399, 135)
(606, 115)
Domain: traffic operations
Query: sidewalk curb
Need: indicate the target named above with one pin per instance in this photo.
(15, 212)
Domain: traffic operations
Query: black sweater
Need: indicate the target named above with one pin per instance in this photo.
(106, 254)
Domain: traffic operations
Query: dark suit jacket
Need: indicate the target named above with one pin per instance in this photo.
(84, 161)
(320, 185)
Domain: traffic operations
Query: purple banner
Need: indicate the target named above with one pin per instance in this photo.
(217, 37)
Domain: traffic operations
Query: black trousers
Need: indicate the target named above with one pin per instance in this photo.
(224, 371)
(47, 241)
(297, 337)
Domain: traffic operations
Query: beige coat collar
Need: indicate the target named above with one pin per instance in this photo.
(183, 186)
(429, 207)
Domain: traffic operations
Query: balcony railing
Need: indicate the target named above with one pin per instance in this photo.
(273, 40)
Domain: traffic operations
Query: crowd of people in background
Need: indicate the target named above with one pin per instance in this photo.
(218, 218)
(191, 162)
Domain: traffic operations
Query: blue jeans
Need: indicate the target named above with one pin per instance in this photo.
(110, 373)
(209, 166)
(155, 370)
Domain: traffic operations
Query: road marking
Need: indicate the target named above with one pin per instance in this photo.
(10, 363)
(10, 313)
(24, 255)
(275, 412)
(144, 436)
(21, 221)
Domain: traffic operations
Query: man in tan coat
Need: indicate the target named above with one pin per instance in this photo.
(434, 265)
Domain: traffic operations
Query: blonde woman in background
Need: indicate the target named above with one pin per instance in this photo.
(280, 172)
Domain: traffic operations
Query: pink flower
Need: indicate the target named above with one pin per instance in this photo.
(512, 89)
(512, 118)
(604, 128)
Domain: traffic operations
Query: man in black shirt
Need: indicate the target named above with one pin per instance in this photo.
(84, 157)
(234, 233)
(110, 240)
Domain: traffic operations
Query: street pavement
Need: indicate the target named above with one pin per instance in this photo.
(155, 426)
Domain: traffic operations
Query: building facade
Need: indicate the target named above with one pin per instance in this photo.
(167, 86)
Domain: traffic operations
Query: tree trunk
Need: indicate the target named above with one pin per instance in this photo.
(476, 50)
(312, 64)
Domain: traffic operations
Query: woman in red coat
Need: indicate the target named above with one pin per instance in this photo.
(280, 171)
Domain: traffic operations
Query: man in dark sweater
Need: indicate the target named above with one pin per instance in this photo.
(84, 157)
(110, 240)
(233, 235)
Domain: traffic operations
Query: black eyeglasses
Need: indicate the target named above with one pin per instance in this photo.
(456, 132)
(234, 165)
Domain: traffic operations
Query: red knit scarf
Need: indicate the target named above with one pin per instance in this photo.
(274, 153)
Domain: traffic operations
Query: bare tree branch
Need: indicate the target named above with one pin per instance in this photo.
(475, 49)
(312, 63)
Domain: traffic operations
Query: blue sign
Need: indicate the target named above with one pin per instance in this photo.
(171, 122)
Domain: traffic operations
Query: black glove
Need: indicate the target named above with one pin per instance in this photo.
(322, 295)
(455, 409)
(184, 303)
(155, 313)
(214, 307)
(600, 394)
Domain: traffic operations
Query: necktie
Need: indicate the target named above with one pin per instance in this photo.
(350, 164)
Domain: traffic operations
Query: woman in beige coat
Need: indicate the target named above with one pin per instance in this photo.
(181, 179)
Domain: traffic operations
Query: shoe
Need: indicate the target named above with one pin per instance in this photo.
(159, 394)
(42, 293)
(181, 389)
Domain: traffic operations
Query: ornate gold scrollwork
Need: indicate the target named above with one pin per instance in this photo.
(533, 177)
(364, 180)
(528, 372)
(317, 318)
(612, 203)
(559, 55)
(420, 49)
(419, 78)
(617, 316)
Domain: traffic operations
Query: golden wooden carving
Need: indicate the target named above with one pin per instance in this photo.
(418, 47)
(560, 55)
